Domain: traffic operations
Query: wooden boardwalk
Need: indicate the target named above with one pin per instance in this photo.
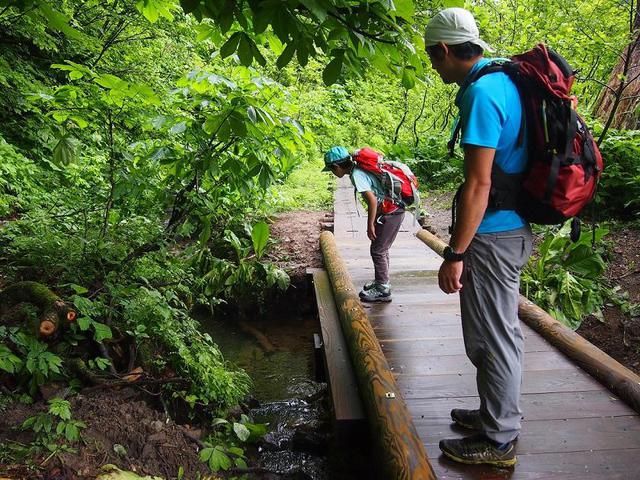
(573, 427)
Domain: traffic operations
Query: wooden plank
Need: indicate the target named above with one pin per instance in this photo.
(414, 319)
(347, 405)
(610, 372)
(445, 386)
(458, 364)
(535, 406)
(448, 346)
(572, 435)
(616, 464)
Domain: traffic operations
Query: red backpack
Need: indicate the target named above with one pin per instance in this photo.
(399, 183)
(565, 163)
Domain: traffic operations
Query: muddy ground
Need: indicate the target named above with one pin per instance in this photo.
(121, 429)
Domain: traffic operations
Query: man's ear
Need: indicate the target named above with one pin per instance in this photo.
(444, 49)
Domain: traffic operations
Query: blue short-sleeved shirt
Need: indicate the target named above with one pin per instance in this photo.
(490, 114)
(365, 181)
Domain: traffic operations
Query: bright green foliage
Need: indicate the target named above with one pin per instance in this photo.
(224, 448)
(566, 278)
(163, 319)
(55, 424)
(306, 188)
(619, 190)
(114, 473)
(351, 34)
(246, 279)
(31, 361)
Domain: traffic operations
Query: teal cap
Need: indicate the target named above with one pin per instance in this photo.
(334, 155)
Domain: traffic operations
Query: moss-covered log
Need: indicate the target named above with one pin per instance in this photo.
(52, 311)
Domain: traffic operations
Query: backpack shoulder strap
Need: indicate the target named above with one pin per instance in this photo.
(493, 67)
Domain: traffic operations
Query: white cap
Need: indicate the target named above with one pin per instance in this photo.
(453, 26)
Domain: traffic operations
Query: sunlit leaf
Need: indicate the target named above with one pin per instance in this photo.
(260, 236)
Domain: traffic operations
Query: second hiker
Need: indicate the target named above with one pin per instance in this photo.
(386, 188)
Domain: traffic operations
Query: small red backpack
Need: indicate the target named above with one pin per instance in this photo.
(399, 183)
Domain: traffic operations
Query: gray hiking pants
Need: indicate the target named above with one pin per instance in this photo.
(492, 336)
(387, 227)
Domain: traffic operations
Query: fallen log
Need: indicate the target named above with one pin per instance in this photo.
(52, 311)
(613, 375)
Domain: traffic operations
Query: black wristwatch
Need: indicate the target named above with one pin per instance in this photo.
(451, 256)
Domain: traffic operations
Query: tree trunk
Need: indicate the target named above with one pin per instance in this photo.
(618, 102)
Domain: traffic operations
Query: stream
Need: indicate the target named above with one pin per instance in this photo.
(296, 408)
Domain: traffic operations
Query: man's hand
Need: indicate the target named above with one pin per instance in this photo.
(371, 231)
(449, 276)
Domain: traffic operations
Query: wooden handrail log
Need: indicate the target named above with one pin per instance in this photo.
(393, 432)
(612, 374)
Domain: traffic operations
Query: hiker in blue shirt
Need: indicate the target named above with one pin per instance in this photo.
(382, 229)
(488, 246)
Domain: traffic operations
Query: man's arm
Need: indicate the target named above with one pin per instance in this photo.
(372, 210)
(478, 162)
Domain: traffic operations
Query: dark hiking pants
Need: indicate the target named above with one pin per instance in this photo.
(387, 227)
(492, 336)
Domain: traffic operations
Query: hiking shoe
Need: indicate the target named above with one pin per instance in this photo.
(373, 283)
(378, 293)
(466, 418)
(369, 286)
(479, 449)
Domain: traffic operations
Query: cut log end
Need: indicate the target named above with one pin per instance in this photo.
(47, 328)
(71, 316)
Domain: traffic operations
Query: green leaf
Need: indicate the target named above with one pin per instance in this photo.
(405, 8)
(205, 454)
(84, 323)
(219, 460)
(178, 128)
(8, 361)
(251, 113)
(241, 432)
(245, 53)
(154, 9)
(102, 331)
(316, 9)
(64, 151)
(332, 71)
(58, 21)
(79, 289)
(408, 78)
(286, 56)
(260, 236)
(231, 45)
(60, 408)
(110, 82)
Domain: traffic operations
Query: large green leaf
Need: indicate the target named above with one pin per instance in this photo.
(260, 236)
(231, 45)
(585, 262)
(332, 71)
